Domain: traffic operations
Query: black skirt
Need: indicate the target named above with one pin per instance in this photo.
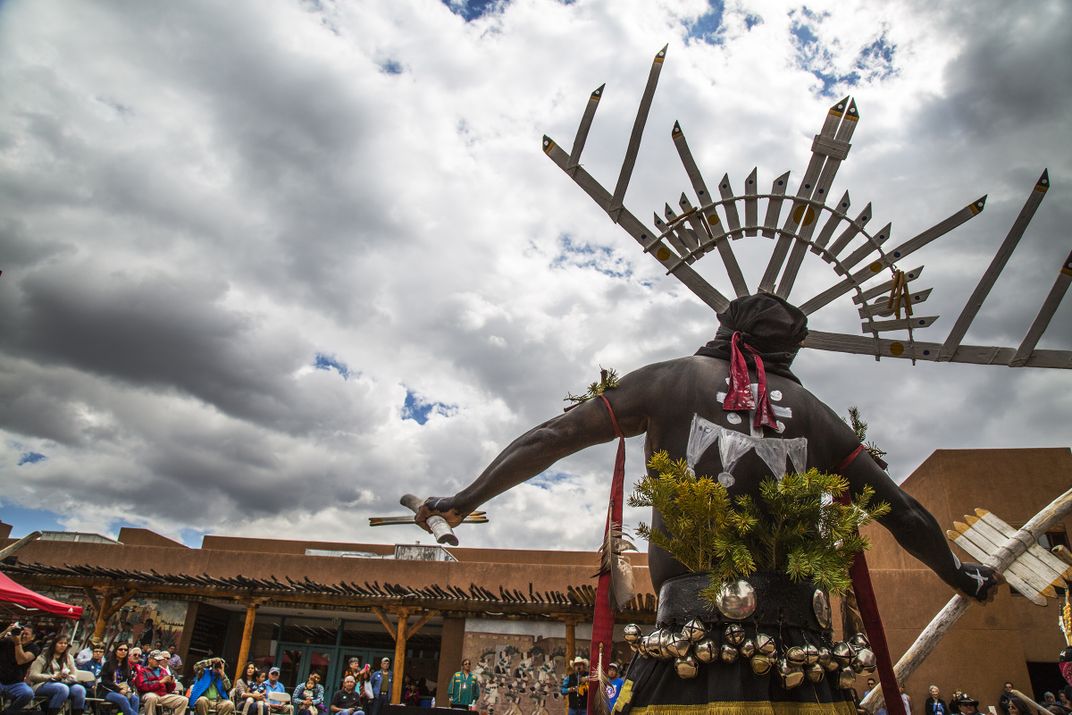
(653, 687)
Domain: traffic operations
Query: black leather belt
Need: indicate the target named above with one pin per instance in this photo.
(779, 601)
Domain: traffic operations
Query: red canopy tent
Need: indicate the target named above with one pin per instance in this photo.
(11, 592)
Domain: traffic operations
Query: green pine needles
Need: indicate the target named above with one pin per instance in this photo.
(796, 526)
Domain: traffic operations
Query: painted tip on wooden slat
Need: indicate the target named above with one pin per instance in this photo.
(839, 106)
(1044, 181)
(952, 535)
(961, 527)
(598, 92)
(853, 113)
(980, 512)
(978, 205)
(548, 144)
(676, 131)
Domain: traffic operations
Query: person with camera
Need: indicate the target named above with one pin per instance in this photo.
(17, 651)
(210, 688)
(52, 675)
(117, 680)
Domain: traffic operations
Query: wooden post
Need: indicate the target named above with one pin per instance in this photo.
(571, 644)
(103, 605)
(247, 636)
(400, 655)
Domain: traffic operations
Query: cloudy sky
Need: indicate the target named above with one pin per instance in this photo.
(267, 265)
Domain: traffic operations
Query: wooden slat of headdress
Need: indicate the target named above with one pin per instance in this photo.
(751, 206)
(799, 210)
(733, 219)
(638, 132)
(870, 246)
(1045, 314)
(905, 249)
(850, 232)
(968, 354)
(695, 177)
(997, 264)
(836, 152)
(884, 288)
(837, 215)
(582, 130)
(884, 326)
(643, 235)
(774, 206)
(881, 308)
(673, 238)
(686, 234)
(725, 251)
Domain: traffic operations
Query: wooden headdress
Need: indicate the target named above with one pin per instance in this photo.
(805, 221)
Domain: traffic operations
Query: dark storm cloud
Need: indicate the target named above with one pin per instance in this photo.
(1012, 76)
(150, 329)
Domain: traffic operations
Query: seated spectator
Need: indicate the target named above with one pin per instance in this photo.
(52, 675)
(17, 652)
(275, 686)
(117, 681)
(251, 692)
(164, 656)
(94, 665)
(157, 687)
(210, 688)
(175, 663)
(346, 700)
(308, 699)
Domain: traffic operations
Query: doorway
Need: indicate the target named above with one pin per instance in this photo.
(297, 661)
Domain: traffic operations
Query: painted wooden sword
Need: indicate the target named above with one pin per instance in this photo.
(440, 528)
(1014, 553)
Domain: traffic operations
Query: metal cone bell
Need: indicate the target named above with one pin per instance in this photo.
(734, 634)
(686, 667)
(694, 630)
(765, 645)
(727, 654)
(705, 651)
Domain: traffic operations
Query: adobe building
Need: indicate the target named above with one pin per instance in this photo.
(519, 615)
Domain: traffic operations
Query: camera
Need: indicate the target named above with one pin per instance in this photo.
(16, 629)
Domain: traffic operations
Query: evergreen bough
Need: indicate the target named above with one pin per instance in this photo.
(796, 526)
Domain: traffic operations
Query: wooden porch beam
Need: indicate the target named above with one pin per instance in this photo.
(385, 621)
(428, 615)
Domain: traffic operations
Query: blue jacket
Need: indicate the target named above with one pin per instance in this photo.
(377, 682)
(207, 677)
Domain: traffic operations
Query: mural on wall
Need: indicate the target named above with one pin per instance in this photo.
(522, 674)
(148, 622)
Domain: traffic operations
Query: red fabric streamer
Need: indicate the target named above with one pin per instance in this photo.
(739, 396)
(603, 617)
(865, 599)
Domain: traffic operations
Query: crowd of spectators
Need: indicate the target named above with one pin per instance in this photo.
(136, 681)
(1009, 702)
